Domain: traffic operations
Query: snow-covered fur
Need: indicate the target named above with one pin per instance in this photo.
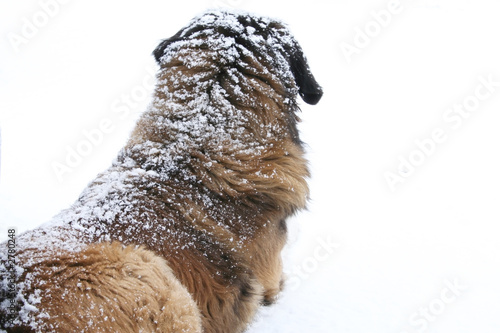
(183, 232)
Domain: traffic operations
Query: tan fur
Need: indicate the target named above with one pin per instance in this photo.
(111, 288)
(178, 236)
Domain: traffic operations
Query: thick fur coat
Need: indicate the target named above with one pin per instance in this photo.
(183, 232)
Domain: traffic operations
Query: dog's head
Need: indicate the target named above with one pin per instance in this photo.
(244, 35)
(225, 109)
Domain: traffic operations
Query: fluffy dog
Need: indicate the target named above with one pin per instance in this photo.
(183, 232)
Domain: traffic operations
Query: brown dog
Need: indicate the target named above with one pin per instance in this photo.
(183, 232)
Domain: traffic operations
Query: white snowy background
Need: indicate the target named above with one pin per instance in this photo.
(423, 256)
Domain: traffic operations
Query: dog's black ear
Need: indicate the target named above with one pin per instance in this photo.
(160, 49)
(309, 89)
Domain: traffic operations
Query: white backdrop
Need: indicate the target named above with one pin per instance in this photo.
(402, 229)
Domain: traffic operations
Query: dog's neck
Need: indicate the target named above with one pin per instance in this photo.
(240, 147)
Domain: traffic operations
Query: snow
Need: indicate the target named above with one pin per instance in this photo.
(396, 250)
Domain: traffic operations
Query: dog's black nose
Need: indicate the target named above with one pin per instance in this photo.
(311, 97)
